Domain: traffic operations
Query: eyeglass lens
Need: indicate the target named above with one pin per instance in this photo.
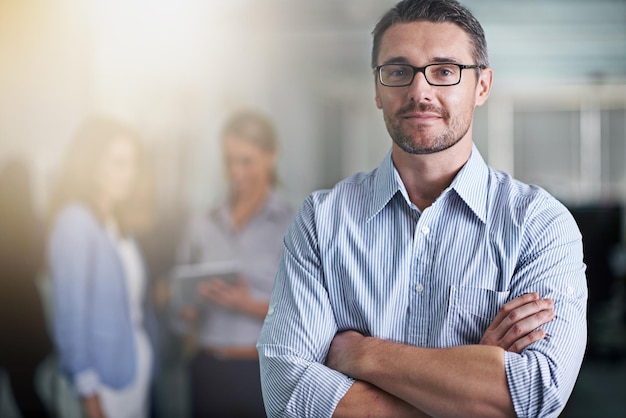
(402, 75)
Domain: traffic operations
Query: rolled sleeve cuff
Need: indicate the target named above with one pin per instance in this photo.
(533, 392)
(86, 383)
(293, 387)
(318, 392)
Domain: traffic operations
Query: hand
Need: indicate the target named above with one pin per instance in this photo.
(161, 294)
(188, 313)
(343, 352)
(517, 324)
(229, 296)
(93, 407)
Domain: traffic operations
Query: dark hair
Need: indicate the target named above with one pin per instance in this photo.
(255, 128)
(436, 11)
(75, 181)
(18, 221)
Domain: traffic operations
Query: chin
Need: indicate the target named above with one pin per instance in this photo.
(240, 190)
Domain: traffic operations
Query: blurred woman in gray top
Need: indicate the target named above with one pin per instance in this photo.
(246, 230)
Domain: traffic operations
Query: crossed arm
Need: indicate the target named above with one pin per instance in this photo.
(406, 381)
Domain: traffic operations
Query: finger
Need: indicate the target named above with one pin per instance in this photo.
(523, 328)
(512, 305)
(520, 313)
(241, 283)
(217, 281)
(220, 284)
(211, 285)
(211, 292)
(522, 343)
(524, 311)
(218, 292)
(520, 300)
(496, 334)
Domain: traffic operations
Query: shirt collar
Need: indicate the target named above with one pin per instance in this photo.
(385, 186)
(470, 184)
(273, 208)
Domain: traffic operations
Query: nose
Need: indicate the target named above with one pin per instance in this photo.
(419, 89)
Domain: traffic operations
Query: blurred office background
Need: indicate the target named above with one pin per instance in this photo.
(176, 69)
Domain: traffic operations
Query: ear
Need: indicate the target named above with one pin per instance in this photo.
(483, 88)
(379, 103)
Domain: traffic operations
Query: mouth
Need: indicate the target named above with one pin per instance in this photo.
(421, 115)
(420, 120)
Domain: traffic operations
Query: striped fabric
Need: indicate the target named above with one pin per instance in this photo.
(362, 257)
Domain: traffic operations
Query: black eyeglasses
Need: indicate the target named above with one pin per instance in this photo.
(443, 74)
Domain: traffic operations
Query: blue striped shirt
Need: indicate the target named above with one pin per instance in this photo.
(362, 257)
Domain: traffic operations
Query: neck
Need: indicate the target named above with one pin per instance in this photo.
(426, 176)
(105, 208)
(245, 205)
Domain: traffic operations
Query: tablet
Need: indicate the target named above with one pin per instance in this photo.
(185, 278)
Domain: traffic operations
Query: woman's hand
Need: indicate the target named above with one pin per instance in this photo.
(93, 407)
(231, 296)
(235, 296)
(188, 313)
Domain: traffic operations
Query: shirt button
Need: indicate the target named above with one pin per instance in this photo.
(425, 230)
(419, 287)
(270, 310)
(569, 290)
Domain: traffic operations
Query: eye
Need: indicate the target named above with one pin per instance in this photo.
(396, 75)
(394, 71)
(445, 71)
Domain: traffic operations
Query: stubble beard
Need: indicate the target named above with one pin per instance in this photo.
(444, 140)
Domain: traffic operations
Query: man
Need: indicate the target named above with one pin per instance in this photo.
(434, 285)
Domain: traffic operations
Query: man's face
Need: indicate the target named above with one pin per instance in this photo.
(421, 118)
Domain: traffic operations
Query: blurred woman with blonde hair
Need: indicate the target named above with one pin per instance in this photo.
(247, 228)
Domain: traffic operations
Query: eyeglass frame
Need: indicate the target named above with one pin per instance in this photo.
(422, 70)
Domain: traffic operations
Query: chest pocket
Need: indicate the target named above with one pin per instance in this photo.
(470, 311)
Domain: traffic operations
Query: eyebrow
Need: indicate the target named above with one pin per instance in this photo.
(434, 60)
(450, 60)
(396, 60)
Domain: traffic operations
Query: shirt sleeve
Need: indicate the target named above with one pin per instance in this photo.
(298, 330)
(69, 260)
(86, 383)
(542, 377)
